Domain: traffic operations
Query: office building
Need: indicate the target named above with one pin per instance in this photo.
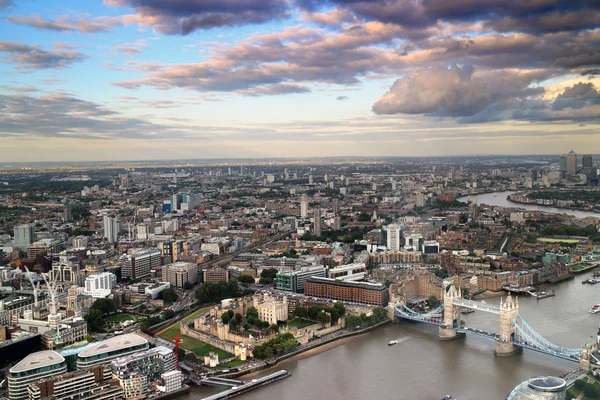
(172, 250)
(34, 367)
(540, 388)
(587, 168)
(110, 349)
(152, 363)
(571, 163)
(135, 386)
(346, 270)
(172, 381)
(562, 165)
(23, 236)
(355, 292)
(337, 223)
(430, 247)
(184, 202)
(317, 222)
(124, 181)
(335, 206)
(89, 384)
(178, 274)
(99, 285)
(111, 228)
(80, 242)
(138, 265)
(293, 281)
(394, 236)
(215, 275)
(304, 206)
(68, 213)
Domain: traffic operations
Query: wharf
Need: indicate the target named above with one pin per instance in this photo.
(171, 395)
(247, 387)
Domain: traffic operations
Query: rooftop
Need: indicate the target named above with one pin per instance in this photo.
(38, 360)
(115, 343)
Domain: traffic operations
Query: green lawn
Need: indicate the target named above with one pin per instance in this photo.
(120, 318)
(300, 323)
(189, 343)
(577, 267)
(553, 240)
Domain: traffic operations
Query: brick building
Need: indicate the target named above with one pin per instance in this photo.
(356, 292)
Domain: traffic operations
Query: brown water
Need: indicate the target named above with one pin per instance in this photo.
(424, 368)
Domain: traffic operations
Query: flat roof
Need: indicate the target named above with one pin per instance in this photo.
(115, 343)
(38, 360)
(360, 285)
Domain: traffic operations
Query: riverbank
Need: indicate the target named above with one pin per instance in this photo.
(488, 294)
(312, 348)
(519, 197)
(579, 271)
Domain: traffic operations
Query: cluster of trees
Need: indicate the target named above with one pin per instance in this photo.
(282, 343)
(97, 312)
(590, 390)
(252, 319)
(445, 204)
(233, 319)
(353, 322)
(245, 279)
(209, 292)
(267, 276)
(168, 296)
(571, 230)
(323, 314)
(344, 235)
(586, 196)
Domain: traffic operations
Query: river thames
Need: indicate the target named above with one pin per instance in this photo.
(424, 368)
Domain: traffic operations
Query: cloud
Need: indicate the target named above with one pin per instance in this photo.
(450, 92)
(275, 89)
(59, 114)
(578, 96)
(34, 58)
(341, 98)
(185, 16)
(131, 49)
(66, 23)
(6, 4)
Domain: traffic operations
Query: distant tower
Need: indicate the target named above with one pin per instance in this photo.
(509, 313)
(317, 222)
(304, 206)
(68, 214)
(335, 206)
(571, 163)
(310, 179)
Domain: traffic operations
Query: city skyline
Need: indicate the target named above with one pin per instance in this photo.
(132, 80)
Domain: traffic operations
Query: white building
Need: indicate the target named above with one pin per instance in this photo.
(273, 311)
(304, 206)
(394, 235)
(80, 242)
(111, 228)
(420, 201)
(24, 235)
(34, 367)
(172, 381)
(180, 273)
(100, 285)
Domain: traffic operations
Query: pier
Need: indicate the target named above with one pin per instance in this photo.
(215, 381)
(246, 387)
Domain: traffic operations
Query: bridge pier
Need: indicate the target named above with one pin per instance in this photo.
(391, 313)
(445, 333)
(505, 349)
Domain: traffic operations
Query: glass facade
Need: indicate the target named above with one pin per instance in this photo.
(540, 388)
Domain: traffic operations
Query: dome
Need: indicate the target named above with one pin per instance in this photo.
(540, 388)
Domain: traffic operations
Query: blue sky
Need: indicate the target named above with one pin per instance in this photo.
(148, 79)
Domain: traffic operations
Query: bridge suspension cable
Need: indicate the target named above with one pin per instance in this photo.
(528, 337)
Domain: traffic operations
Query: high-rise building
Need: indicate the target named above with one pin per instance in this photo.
(178, 274)
(124, 181)
(68, 213)
(571, 163)
(293, 281)
(310, 179)
(335, 206)
(420, 202)
(562, 165)
(139, 265)
(304, 206)
(24, 235)
(99, 285)
(587, 168)
(152, 363)
(107, 350)
(394, 236)
(317, 222)
(111, 228)
(34, 367)
(337, 223)
(183, 202)
(587, 162)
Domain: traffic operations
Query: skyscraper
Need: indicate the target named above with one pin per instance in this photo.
(317, 222)
(562, 166)
(68, 214)
(335, 206)
(24, 235)
(586, 162)
(111, 228)
(394, 234)
(304, 206)
(420, 201)
(571, 163)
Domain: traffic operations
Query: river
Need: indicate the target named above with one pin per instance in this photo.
(499, 199)
(423, 368)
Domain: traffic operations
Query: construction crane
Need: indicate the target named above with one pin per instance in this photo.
(131, 222)
(177, 340)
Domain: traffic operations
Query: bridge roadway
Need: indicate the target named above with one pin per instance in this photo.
(476, 305)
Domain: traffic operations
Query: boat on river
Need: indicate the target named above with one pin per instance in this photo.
(595, 309)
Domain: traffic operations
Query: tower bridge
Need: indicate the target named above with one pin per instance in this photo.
(514, 333)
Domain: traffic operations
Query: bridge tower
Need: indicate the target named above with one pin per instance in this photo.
(447, 331)
(509, 312)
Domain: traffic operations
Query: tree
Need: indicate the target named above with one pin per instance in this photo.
(433, 302)
(169, 296)
(246, 326)
(246, 279)
(379, 313)
(274, 328)
(324, 318)
(233, 324)
(252, 313)
(169, 314)
(225, 318)
(105, 306)
(95, 320)
(301, 312)
(268, 275)
(341, 309)
(238, 317)
(188, 286)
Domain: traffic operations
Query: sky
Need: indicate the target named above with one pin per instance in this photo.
(152, 79)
